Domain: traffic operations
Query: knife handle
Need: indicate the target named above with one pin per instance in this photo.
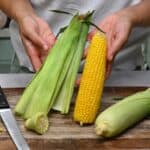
(3, 101)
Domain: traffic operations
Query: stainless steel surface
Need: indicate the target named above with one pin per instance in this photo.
(13, 129)
(15, 80)
(129, 79)
(117, 79)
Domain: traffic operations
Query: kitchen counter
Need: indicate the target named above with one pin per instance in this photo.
(65, 134)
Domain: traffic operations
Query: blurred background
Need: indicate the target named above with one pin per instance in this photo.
(8, 59)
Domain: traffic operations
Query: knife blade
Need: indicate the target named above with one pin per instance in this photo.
(11, 124)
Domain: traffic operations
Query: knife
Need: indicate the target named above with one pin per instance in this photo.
(11, 124)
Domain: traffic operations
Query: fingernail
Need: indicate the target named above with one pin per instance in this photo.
(45, 47)
(111, 57)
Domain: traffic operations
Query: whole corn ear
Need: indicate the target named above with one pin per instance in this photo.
(124, 114)
(92, 81)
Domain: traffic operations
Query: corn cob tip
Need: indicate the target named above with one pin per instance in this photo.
(38, 123)
(81, 123)
(101, 129)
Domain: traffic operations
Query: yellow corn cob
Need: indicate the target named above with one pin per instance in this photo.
(92, 81)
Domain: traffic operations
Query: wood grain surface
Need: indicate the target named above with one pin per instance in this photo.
(65, 134)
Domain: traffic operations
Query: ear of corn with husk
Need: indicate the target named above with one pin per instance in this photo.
(124, 114)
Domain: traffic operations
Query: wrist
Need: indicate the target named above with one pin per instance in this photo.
(22, 10)
(129, 16)
(133, 15)
(19, 17)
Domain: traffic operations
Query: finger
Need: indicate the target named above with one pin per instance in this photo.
(43, 55)
(36, 62)
(109, 45)
(85, 53)
(33, 53)
(116, 41)
(43, 58)
(108, 70)
(90, 35)
(36, 39)
(78, 80)
(50, 39)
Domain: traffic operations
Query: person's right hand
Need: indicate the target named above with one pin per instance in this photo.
(37, 38)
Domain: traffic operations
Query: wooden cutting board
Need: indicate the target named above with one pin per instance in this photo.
(65, 134)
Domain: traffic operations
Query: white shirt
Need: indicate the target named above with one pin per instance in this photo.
(128, 58)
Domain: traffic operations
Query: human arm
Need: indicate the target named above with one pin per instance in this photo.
(119, 25)
(36, 35)
(139, 13)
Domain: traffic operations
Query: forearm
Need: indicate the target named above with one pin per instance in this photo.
(16, 9)
(139, 14)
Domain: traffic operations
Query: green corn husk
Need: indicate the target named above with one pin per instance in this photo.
(37, 96)
(63, 74)
(38, 123)
(64, 97)
(124, 114)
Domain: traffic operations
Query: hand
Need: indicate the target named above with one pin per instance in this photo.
(37, 39)
(117, 28)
